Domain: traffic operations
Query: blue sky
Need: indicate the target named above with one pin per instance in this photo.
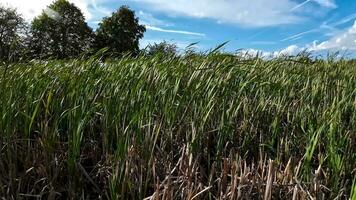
(267, 26)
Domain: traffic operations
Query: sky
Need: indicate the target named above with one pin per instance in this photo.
(267, 27)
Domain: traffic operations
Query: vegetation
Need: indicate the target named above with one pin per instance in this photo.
(60, 32)
(164, 48)
(161, 125)
(189, 127)
(11, 27)
(120, 32)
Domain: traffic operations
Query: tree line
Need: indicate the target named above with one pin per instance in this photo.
(61, 32)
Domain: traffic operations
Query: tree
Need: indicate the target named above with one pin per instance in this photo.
(60, 31)
(12, 31)
(120, 32)
(164, 48)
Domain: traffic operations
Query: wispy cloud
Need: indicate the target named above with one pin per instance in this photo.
(345, 40)
(153, 28)
(149, 19)
(341, 41)
(326, 3)
(300, 5)
(152, 23)
(326, 25)
(260, 13)
(298, 35)
(344, 20)
(100, 9)
(292, 10)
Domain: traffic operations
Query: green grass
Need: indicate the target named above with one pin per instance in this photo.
(166, 127)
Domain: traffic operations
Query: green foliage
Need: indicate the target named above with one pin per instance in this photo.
(12, 29)
(353, 189)
(128, 126)
(60, 32)
(164, 48)
(120, 32)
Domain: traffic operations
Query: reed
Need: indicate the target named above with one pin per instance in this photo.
(190, 127)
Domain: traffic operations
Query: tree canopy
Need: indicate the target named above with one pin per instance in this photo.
(120, 32)
(12, 28)
(163, 48)
(60, 31)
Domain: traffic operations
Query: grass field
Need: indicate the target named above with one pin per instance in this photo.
(193, 127)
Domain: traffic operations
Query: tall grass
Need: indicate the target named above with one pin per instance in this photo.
(193, 127)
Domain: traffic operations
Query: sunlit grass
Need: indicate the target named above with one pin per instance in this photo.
(178, 127)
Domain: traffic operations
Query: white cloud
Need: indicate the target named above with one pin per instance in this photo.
(300, 5)
(149, 19)
(326, 3)
(291, 50)
(250, 53)
(153, 24)
(323, 3)
(341, 41)
(31, 8)
(344, 20)
(52, 14)
(327, 28)
(257, 13)
(298, 35)
(153, 28)
(99, 8)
